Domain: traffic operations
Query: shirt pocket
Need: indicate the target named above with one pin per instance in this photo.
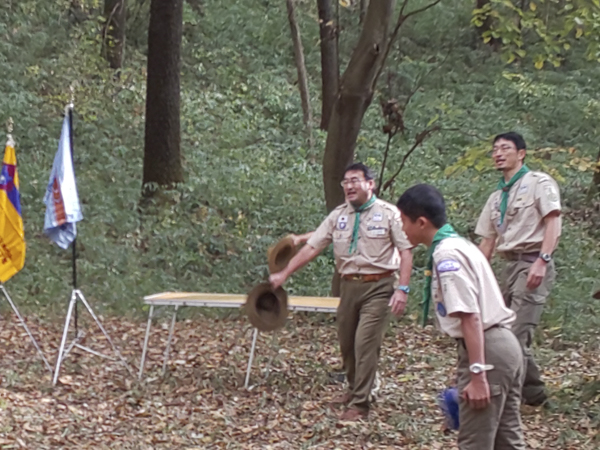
(520, 204)
(375, 242)
(341, 242)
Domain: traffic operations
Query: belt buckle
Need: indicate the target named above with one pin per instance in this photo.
(356, 277)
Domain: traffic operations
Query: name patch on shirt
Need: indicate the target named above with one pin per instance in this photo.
(377, 217)
(441, 309)
(448, 265)
(374, 230)
(342, 222)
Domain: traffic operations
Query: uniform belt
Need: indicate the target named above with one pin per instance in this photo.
(516, 256)
(366, 277)
(461, 341)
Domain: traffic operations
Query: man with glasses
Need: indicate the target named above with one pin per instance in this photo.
(521, 221)
(369, 248)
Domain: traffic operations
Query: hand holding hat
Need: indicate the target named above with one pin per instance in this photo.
(279, 255)
(448, 401)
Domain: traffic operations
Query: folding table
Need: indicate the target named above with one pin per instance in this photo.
(181, 299)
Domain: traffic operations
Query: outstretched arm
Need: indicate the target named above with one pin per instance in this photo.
(303, 257)
(301, 238)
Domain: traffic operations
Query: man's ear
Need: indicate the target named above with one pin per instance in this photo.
(422, 222)
(521, 153)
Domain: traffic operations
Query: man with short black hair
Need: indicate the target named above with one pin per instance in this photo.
(369, 248)
(521, 221)
(469, 307)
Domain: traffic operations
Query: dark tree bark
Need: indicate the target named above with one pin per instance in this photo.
(363, 10)
(162, 157)
(354, 97)
(300, 66)
(113, 41)
(487, 25)
(330, 70)
(595, 187)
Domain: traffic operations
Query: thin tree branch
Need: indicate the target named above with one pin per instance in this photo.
(385, 156)
(418, 141)
(401, 19)
(420, 10)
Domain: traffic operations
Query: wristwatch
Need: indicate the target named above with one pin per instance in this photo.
(546, 257)
(478, 368)
(404, 289)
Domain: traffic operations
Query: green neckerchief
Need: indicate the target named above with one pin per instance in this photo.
(505, 188)
(358, 210)
(445, 232)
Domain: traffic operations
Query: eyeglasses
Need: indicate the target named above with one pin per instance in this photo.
(502, 148)
(351, 181)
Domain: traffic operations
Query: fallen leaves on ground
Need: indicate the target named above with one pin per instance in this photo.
(201, 401)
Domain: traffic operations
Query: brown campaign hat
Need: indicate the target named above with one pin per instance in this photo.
(280, 254)
(267, 308)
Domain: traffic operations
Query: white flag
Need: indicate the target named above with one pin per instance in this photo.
(61, 199)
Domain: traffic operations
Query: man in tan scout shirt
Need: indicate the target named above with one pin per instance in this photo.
(521, 221)
(369, 248)
(469, 307)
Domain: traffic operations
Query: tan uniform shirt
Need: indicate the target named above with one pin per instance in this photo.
(463, 281)
(380, 237)
(530, 199)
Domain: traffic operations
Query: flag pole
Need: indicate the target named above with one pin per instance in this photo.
(74, 257)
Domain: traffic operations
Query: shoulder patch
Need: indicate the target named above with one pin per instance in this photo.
(448, 265)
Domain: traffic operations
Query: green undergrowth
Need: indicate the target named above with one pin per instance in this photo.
(251, 174)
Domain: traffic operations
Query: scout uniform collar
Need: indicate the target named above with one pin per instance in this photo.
(505, 188)
(445, 232)
(358, 210)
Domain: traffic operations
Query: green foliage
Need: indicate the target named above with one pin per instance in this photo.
(544, 30)
(251, 177)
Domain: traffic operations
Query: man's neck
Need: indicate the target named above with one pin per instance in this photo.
(509, 173)
(366, 201)
(428, 236)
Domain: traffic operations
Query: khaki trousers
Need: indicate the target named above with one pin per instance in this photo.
(362, 317)
(528, 305)
(498, 426)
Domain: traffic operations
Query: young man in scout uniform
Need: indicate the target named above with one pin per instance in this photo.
(521, 222)
(369, 248)
(469, 307)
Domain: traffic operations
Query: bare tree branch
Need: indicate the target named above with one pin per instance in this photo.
(420, 10)
(418, 141)
(401, 19)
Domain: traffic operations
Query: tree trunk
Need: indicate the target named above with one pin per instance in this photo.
(363, 10)
(330, 70)
(487, 25)
(162, 158)
(595, 187)
(300, 66)
(113, 40)
(355, 95)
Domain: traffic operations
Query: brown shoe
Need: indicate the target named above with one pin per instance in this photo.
(353, 414)
(341, 399)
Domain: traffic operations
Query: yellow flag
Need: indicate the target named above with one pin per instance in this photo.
(12, 236)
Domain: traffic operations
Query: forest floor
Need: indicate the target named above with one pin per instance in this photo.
(201, 402)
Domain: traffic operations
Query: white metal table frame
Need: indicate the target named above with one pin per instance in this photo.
(181, 299)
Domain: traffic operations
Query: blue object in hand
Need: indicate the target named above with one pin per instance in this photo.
(448, 401)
